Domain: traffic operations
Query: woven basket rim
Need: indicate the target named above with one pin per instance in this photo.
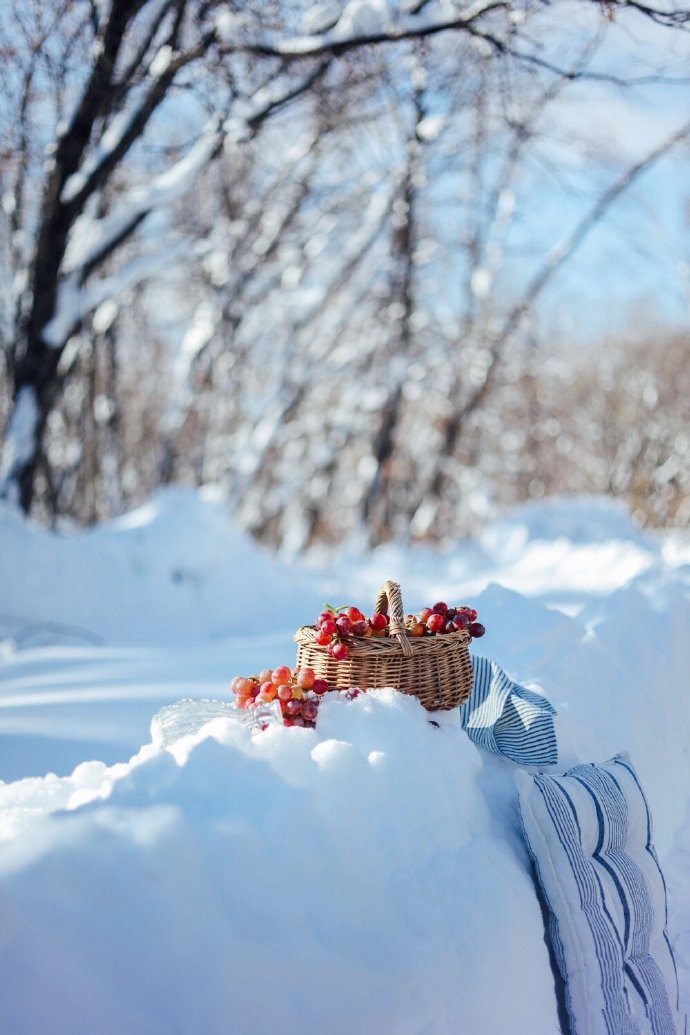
(440, 642)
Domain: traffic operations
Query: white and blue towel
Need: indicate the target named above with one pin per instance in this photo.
(508, 719)
(589, 833)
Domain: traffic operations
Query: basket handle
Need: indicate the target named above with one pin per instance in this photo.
(391, 597)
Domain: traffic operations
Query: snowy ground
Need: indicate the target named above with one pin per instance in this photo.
(364, 877)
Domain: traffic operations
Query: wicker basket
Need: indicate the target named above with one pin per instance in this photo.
(435, 669)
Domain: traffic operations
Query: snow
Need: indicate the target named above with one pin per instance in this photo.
(365, 876)
(109, 140)
(19, 439)
(429, 128)
(362, 20)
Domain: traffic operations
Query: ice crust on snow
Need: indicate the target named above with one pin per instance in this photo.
(367, 876)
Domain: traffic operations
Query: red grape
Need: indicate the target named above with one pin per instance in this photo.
(310, 710)
(476, 629)
(378, 622)
(343, 625)
(435, 622)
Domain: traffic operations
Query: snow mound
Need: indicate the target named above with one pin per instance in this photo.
(172, 570)
(368, 876)
(292, 881)
(579, 519)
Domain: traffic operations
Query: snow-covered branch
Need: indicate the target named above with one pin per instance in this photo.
(366, 22)
(127, 126)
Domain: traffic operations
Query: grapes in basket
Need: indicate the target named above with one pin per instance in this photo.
(297, 691)
(337, 627)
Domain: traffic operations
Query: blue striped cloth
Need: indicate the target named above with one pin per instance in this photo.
(508, 719)
(589, 833)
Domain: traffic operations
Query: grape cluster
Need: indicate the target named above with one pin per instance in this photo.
(298, 692)
(336, 628)
(441, 618)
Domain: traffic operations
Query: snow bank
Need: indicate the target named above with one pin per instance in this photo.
(366, 876)
(345, 880)
(174, 570)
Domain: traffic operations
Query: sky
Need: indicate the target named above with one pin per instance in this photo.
(635, 266)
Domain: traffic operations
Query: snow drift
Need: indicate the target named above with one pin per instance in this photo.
(367, 876)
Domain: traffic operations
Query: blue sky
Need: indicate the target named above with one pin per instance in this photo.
(634, 266)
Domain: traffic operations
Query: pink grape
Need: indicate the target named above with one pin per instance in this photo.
(293, 708)
(268, 691)
(282, 674)
(243, 686)
(305, 678)
(285, 692)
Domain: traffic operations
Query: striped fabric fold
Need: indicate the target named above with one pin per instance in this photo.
(589, 833)
(508, 719)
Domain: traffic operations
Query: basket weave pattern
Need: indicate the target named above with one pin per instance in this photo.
(435, 669)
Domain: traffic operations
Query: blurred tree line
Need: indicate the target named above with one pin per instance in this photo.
(286, 249)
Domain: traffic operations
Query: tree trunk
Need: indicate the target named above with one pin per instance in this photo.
(36, 385)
